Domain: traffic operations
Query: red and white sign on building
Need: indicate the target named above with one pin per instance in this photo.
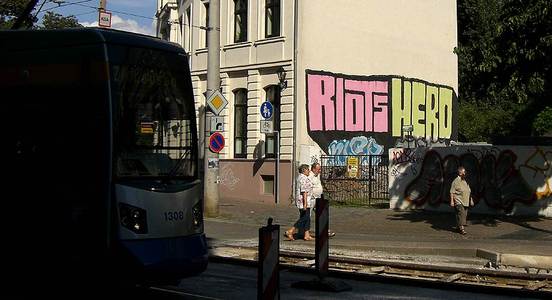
(104, 19)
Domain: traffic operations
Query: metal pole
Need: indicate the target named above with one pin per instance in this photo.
(277, 169)
(213, 84)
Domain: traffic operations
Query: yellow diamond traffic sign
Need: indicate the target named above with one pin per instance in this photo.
(217, 102)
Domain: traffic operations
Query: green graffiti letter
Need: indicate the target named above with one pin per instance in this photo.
(445, 113)
(400, 105)
(432, 107)
(418, 108)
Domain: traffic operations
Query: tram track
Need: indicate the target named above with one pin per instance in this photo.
(435, 276)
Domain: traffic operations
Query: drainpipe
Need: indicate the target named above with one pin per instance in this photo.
(295, 73)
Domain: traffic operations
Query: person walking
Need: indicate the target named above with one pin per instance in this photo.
(302, 195)
(460, 198)
(317, 188)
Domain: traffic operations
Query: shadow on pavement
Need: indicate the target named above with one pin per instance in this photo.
(447, 221)
(522, 221)
(438, 221)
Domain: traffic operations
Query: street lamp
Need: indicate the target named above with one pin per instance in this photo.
(282, 78)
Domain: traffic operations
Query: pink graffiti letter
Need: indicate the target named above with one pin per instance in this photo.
(354, 106)
(320, 90)
(339, 113)
(380, 107)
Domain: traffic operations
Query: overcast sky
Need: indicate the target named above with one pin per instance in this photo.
(125, 13)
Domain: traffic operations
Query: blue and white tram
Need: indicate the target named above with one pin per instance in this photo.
(105, 174)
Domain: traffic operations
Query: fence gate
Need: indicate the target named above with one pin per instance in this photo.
(356, 179)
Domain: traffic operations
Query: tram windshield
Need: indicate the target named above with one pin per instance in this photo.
(154, 116)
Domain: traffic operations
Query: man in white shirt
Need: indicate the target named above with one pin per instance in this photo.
(317, 188)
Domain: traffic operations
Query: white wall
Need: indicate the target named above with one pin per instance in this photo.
(403, 38)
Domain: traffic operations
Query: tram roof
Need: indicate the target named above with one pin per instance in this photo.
(42, 39)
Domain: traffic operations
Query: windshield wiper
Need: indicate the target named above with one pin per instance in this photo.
(172, 172)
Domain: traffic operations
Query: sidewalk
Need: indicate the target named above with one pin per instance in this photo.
(384, 233)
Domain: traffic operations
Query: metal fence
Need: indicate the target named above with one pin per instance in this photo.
(356, 179)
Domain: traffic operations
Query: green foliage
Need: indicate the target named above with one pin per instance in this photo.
(479, 120)
(10, 10)
(56, 21)
(505, 66)
(543, 122)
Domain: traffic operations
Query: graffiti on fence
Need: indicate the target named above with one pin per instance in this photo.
(341, 107)
(492, 176)
(538, 167)
(404, 156)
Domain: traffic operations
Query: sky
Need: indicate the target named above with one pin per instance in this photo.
(128, 15)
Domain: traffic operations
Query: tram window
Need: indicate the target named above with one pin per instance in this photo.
(153, 114)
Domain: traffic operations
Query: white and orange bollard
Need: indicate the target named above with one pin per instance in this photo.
(268, 276)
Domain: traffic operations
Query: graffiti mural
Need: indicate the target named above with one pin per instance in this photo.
(343, 107)
(359, 145)
(500, 178)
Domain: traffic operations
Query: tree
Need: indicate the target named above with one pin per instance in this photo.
(543, 122)
(10, 10)
(505, 67)
(56, 21)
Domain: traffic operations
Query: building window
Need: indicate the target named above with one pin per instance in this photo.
(206, 24)
(273, 95)
(240, 21)
(272, 18)
(268, 184)
(186, 35)
(240, 123)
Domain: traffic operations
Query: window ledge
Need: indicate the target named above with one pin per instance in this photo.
(237, 45)
(201, 50)
(270, 40)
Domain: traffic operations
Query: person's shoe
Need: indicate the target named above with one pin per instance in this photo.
(289, 236)
(331, 233)
(462, 231)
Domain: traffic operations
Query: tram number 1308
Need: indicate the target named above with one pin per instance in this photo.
(174, 215)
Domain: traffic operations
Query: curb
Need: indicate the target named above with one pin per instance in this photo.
(539, 262)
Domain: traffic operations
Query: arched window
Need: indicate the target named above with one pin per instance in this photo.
(240, 123)
(273, 96)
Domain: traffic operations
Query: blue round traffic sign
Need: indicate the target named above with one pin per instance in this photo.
(216, 142)
(267, 109)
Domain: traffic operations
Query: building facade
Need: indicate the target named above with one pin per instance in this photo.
(344, 77)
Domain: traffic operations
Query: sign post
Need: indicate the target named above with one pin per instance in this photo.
(104, 19)
(267, 127)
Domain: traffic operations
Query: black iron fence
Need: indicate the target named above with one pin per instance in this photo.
(356, 179)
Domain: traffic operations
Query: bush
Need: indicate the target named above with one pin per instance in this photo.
(543, 122)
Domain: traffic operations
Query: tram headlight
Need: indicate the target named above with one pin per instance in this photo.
(197, 215)
(133, 218)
